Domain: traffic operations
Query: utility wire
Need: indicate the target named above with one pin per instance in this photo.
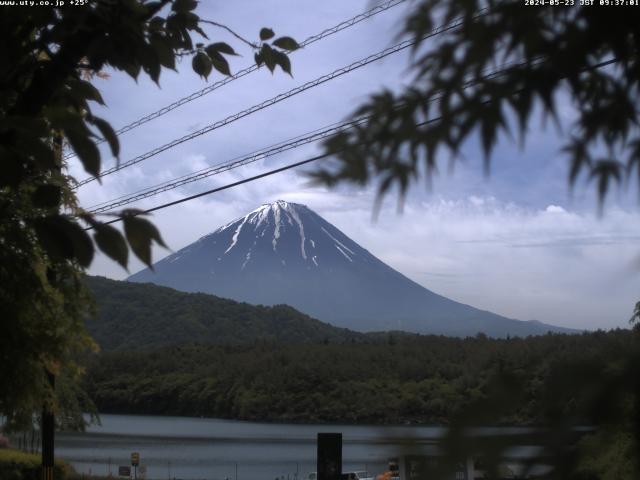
(225, 187)
(225, 166)
(246, 180)
(252, 68)
(304, 162)
(278, 98)
(304, 139)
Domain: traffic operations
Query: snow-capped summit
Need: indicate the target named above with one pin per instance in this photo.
(284, 252)
(275, 233)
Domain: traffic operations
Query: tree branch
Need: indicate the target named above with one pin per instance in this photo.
(238, 36)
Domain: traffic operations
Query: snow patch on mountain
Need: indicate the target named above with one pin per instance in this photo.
(296, 217)
(338, 242)
(276, 233)
(234, 239)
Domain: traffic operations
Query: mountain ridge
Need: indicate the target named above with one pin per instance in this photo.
(284, 253)
(131, 316)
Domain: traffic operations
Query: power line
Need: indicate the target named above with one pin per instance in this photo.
(317, 157)
(255, 156)
(245, 71)
(261, 154)
(217, 165)
(278, 98)
(225, 187)
(246, 180)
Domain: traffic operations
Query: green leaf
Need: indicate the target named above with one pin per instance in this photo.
(604, 170)
(258, 58)
(154, 7)
(141, 233)
(151, 64)
(266, 34)
(221, 47)
(156, 24)
(47, 196)
(112, 243)
(201, 64)
(286, 43)
(220, 63)
(85, 89)
(187, 20)
(283, 60)
(61, 236)
(184, 5)
(268, 56)
(108, 133)
(86, 150)
(164, 51)
(133, 69)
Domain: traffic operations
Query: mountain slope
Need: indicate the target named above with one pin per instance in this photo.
(285, 253)
(132, 316)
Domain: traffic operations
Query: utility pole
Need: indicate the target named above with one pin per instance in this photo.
(48, 433)
(48, 426)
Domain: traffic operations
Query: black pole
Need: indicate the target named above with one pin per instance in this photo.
(48, 434)
(48, 419)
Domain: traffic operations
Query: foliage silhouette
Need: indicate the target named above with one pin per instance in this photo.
(49, 56)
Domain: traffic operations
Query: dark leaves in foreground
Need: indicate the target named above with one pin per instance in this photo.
(494, 73)
(53, 60)
(48, 95)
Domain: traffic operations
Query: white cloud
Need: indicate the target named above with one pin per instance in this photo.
(551, 265)
(555, 209)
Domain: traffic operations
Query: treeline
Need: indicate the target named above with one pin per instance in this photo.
(397, 378)
(142, 315)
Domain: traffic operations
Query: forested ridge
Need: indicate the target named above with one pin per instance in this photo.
(394, 378)
(141, 315)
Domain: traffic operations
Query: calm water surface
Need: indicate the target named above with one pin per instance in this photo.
(198, 448)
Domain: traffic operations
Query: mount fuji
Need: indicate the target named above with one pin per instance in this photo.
(284, 253)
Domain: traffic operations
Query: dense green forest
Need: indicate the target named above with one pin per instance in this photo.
(393, 379)
(142, 315)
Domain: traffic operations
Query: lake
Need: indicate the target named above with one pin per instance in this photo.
(212, 449)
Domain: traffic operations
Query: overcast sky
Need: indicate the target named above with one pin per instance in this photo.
(516, 243)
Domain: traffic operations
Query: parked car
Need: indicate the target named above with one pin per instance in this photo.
(359, 475)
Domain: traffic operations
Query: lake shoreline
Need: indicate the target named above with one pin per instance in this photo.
(287, 421)
(269, 422)
(195, 448)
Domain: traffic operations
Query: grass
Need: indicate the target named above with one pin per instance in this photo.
(18, 465)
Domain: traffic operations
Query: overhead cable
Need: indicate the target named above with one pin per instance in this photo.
(252, 68)
(241, 182)
(272, 101)
(312, 159)
(261, 154)
(225, 166)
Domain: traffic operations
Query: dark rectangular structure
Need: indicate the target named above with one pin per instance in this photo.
(329, 456)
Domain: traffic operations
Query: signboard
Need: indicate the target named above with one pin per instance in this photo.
(124, 471)
(135, 459)
(329, 459)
